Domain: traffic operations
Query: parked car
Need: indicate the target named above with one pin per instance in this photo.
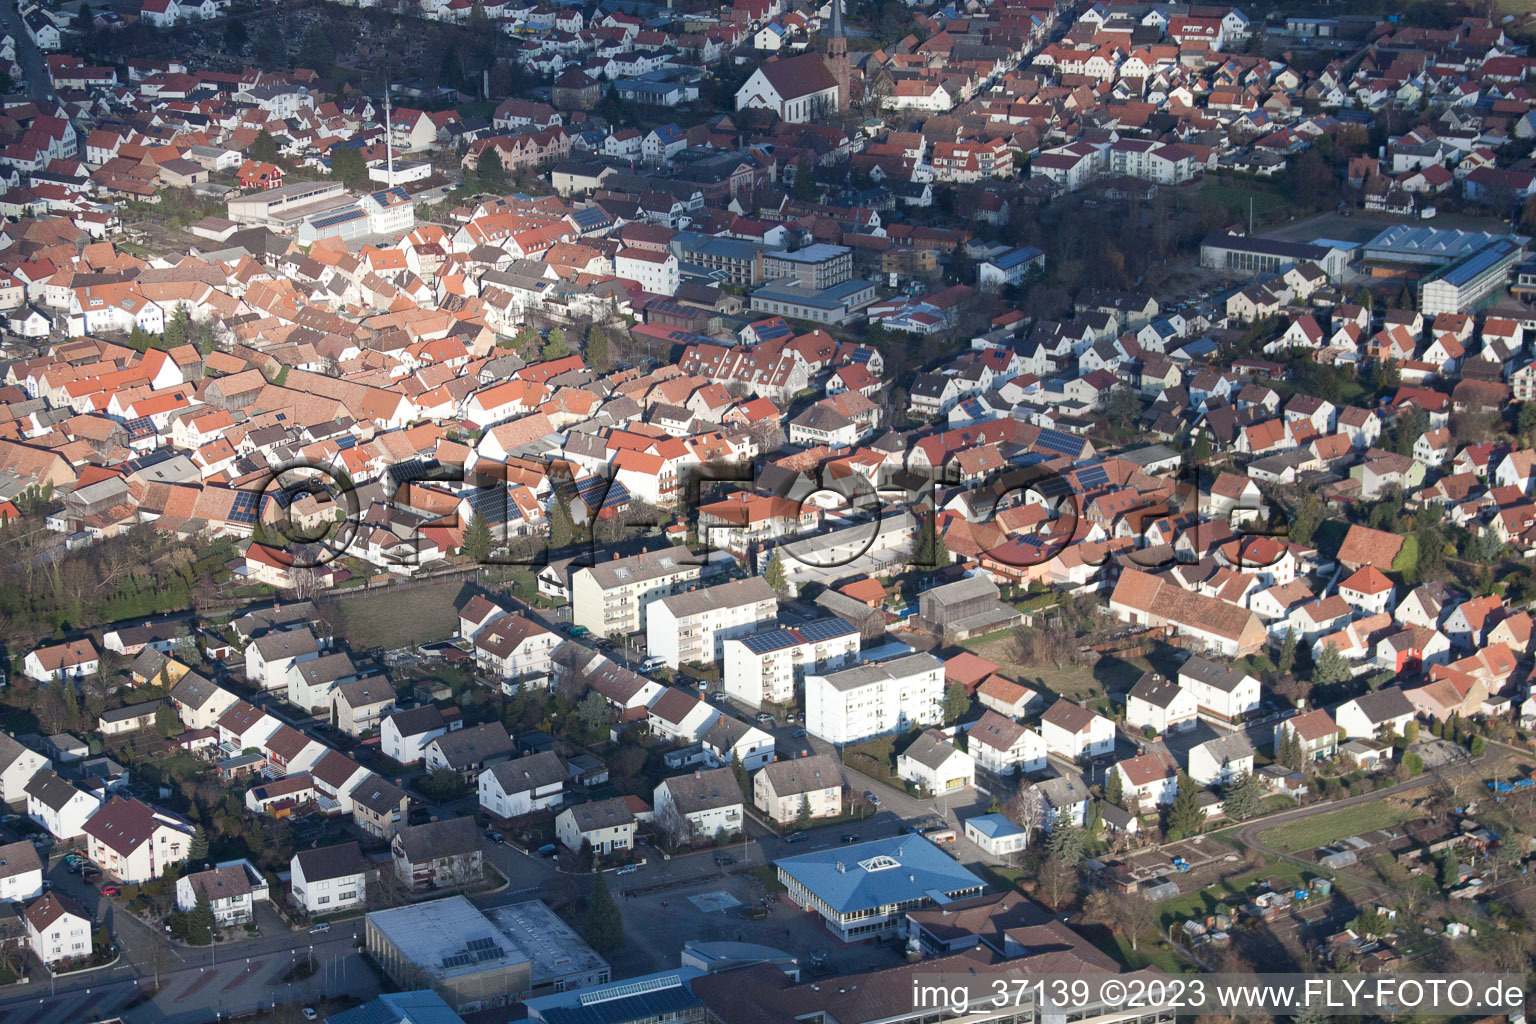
(309, 1013)
(849, 837)
(628, 869)
(549, 849)
(763, 716)
(724, 859)
(110, 890)
(871, 797)
(798, 734)
(495, 837)
(797, 837)
(321, 928)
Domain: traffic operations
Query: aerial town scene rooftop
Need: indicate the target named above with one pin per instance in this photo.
(637, 513)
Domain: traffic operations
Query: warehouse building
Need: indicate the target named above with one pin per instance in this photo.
(475, 961)
(1471, 280)
(1405, 245)
(1252, 256)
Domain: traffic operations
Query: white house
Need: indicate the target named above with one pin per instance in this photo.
(933, 763)
(405, 734)
(608, 825)
(710, 802)
(58, 929)
(329, 879)
(1220, 760)
(21, 872)
(1161, 705)
(1146, 781)
(783, 788)
(996, 834)
(230, 893)
(1371, 714)
(1001, 745)
(693, 626)
(1073, 731)
(59, 806)
(268, 658)
(799, 89)
(72, 660)
(1222, 695)
(523, 785)
(514, 647)
(17, 766)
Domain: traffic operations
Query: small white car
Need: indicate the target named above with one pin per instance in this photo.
(628, 869)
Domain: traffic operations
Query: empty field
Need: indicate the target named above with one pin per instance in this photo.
(397, 617)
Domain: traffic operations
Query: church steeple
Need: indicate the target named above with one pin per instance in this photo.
(837, 55)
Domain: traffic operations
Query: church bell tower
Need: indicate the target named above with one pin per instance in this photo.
(837, 56)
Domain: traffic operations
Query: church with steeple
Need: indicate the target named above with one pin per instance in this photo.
(804, 88)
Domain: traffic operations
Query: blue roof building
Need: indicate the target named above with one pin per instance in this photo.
(996, 834)
(864, 890)
(423, 1007)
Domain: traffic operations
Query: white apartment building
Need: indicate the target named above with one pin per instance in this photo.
(693, 626)
(654, 271)
(873, 699)
(612, 597)
(765, 667)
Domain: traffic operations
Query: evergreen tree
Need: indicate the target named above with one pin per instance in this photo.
(1202, 448)
(775, 574)
(348, 166)
(957, 700)
(1477, 746)
(71, 699)
(1411, 732)
(1114, 791)
(1185, 815)
(803, 816)
(490, 170)
(235, 36)
(1243, 796)
(263, 147)
(179, 328)
(604, 930)
(804, 188)
(200, 921)
(1065, 843)
(137, 339)
(478, 543)
(598, 355)
(197, 850)
(315, 49)
(929, 553)
(1287, 660)
(166, 722)
(1330, 668)
(562, 528)
(555, 346)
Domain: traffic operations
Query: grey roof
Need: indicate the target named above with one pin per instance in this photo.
(931, 749)
(1211, 674)
(884, 671)
(1159, 691)
(415, 721)
(378, 795)
(1232, 747)
(132, 711)
(325, 862)
(610, 813)
(1063, 791)
(804, 774)
(221, 883)
(18, 859)
(1384, 705)
(465, 748)
(453, 837)
(962, 590)
(704, 790)
(733, 594)
(290, 643)
(369, 690)
(10, 750)
(523, 774)
(638, 568)
(48, 789)
(194, 690)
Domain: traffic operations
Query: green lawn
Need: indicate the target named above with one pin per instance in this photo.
(1151, 954)
(1311, 833)
(1235, 195)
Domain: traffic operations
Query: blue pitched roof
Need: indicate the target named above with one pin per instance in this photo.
(423, 1007)
(879, 873)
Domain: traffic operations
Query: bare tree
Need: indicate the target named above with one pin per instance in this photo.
(673, 826)
(1027, 808)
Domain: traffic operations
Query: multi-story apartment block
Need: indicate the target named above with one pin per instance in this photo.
(765, 667)
(873, 699)
(815, 266)
(694, 626)
(611, 597)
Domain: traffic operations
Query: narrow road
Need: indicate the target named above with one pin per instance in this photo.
(39, 84)
(1249, 832)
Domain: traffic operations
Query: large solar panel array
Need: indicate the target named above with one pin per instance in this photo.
(1057, 441)
(825, 629)
(667, 1002)
(762, 643)
(1092, 476)
(243, 510)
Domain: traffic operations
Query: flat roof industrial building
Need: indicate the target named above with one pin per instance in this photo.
(475, 962)
(866, 889)
(1467, 282)
(1427, 247)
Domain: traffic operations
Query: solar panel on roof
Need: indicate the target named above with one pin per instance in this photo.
(762, 643)
(825, 629)
(1056, 441)
(480, 943)
(1092, 476)
(243, 510)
